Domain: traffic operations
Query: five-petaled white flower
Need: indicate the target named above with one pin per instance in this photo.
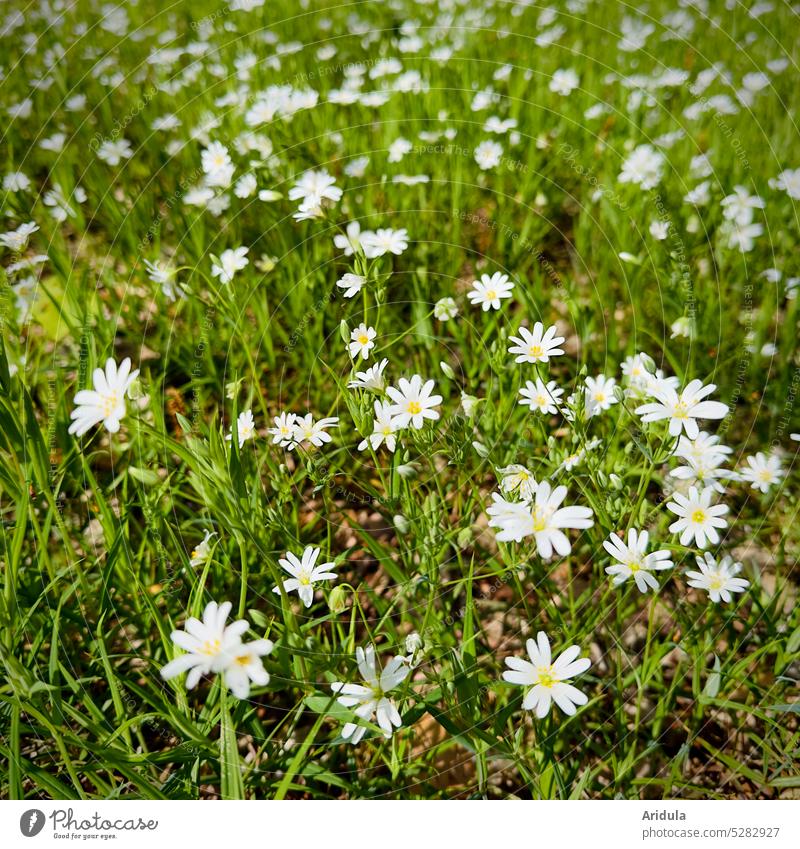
(413, 402)
(488, 291)
(214, 648)
(106, 401)
(536, 346)
(384, 241)
(372, 378)
(599, 394)
(351, 283)
(383, 429)
(230, 261)
(718, 579)
(487, 155)
(633, 560)
(313, 432)
(543, 519)
(547, 679)
(362, 341)
(283, 432)
(245, 428)
(682, 410)
(541, 397)
(370, 699)
(305, 573)
(698, 519)
(762, 471)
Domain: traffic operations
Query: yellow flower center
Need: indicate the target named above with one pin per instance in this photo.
(681, 410)
(210, 647)
(540, 518)
(414, 407)
(546, 677)
(363, 339)
(765, 475)
(535, 350)
(715, 582)
(541, 401)
(242, 659)
(491, 295)
(635, 566)
(600, 397)
(699, 516)
(109, 403)
(305, 581)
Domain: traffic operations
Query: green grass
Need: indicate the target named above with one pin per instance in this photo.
(686, 698)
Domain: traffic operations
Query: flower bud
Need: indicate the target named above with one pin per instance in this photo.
(337, 599)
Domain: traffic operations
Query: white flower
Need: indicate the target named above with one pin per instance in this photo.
(245, 186)
(643, 167)
(350, 242)
(214, 648)
(384, 241)
(738, 207)
(445, 309)
(681, 327)
(372, 378)
(703, 458)
(305, 573)
(356, 167)
(398, 149)
(541, 397)
(700, 195)
(230, 261)
(283, 432)
(413, 402)
(245, 428)
(762, 472)
(518, 479)
(383, 429)
(659, 229)
(163, 274)
(789, 182)
(16, 181)
(370, 699)
(361, 341)
(202, 550)
(548, 680)
(564, 81)
(682, 410)
(537, 346)
(487, 155)
(543, 520)
(112, 152)
(16, 240)
(307, 430)
(698, 519)
(743, 236)
(313, 188)
(717, 579)
(351, 283)
(488, 291)
(599, 394)
(106, 401)
(217, 165)
(633, 560)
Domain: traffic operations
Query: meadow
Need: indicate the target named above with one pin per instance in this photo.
(399, 400)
